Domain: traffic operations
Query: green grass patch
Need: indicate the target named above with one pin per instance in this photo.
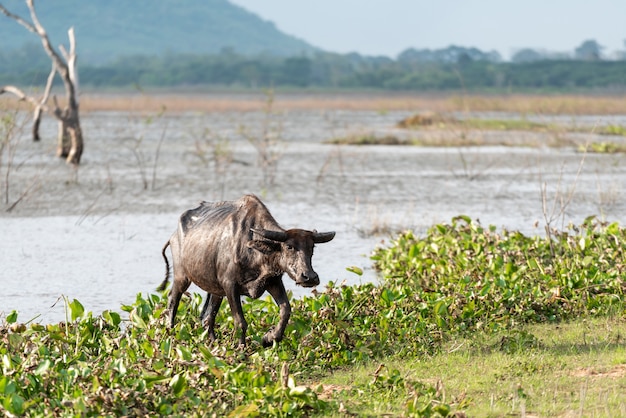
(373, 139)
(466, 319)
(617, 130)
(436, 121)
(505, 125)
(571, 369)
(369, 139)
(602, 148)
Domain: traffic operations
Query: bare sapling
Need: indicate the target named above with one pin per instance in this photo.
(70, 136)
(336, 154)
(469, 169)
(214, 149)
(136, 147)
(608, 195)
(8, 147)
(267, 142)
(157, 152)
(561, 200)
(11, 128)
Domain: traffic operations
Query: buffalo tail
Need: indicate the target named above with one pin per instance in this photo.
(167, 269)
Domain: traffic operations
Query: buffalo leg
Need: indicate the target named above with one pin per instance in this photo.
(205, 307)
(209, 312)
(179, 287)
(277, 290)
(234, 300)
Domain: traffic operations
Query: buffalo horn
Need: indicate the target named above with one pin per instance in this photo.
(320, 237)
(280, 236)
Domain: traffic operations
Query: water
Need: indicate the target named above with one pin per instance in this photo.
(96, 234)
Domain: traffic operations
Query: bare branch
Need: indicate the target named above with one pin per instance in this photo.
(37, 28)
(19, 93)
(71, 61)
(46, 92)
(42, 104)
(64, 52)
(47, 46)
(18, 19)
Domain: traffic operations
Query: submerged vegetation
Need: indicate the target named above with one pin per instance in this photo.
(443, 130)
(370, 139)
(437, 121)
(348, 350)
(604, 147)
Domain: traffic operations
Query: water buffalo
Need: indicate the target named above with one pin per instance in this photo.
(237, 248)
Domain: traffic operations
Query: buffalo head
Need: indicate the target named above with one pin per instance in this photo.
(292, 251)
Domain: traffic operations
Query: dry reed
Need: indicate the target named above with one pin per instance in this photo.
(376, 101)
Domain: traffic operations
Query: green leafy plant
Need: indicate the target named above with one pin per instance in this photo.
(459, 281)
(106, 365)
(467, 277)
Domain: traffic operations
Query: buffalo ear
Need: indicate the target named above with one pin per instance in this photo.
(264, 246)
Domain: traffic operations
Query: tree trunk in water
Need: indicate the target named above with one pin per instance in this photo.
(70, 137)
(76, 142)
(63, 141)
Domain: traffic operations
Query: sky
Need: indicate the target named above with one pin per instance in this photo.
(388, 27)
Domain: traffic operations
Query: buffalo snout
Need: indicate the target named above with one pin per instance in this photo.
(311, 279)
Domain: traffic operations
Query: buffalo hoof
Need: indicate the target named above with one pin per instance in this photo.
(268, 340)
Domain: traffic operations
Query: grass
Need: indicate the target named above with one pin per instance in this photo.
(369, 139)
(575, 368)
(437, 121)
(507, 125)
(210, 101)
(446, 131)
(435, 141)
(616, 130)
(604, 147)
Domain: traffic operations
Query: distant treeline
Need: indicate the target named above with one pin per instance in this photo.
(458, 68)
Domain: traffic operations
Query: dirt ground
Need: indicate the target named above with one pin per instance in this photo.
(95, 233)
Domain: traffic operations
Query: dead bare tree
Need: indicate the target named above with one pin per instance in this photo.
(70, 138)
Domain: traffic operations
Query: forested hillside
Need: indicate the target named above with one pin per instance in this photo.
(168, 43)
(106, 30)
(327, 70)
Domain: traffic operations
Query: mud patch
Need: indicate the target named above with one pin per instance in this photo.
(617, 372)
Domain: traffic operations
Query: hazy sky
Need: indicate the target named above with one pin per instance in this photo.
(387, 27)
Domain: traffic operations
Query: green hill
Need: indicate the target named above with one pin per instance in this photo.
(108, 29)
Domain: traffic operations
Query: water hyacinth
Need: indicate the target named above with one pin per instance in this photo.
(107, 365)
(472, 277)
(458, 279)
